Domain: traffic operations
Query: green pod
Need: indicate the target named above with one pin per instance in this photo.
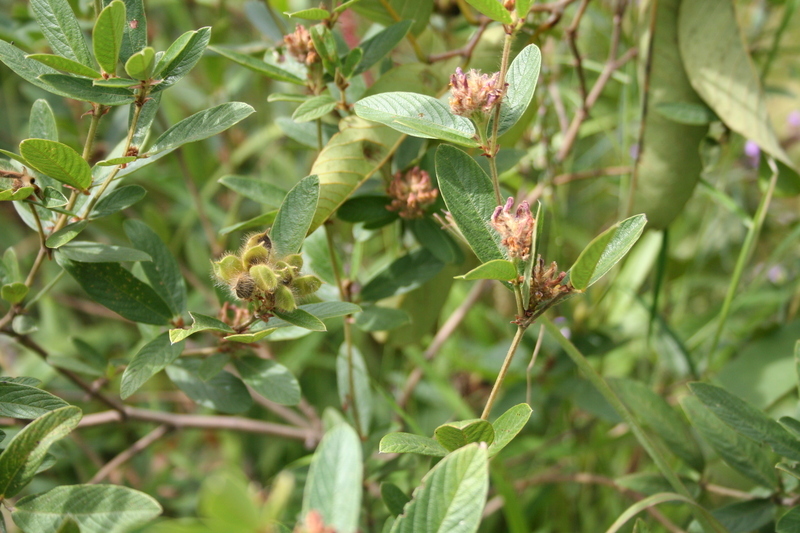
(244, 287)
(305, 285)
(294, 260)
(264, 277)
(284, 299)
(259, 239)
(284, 271)
(228, 268)
(256, 255)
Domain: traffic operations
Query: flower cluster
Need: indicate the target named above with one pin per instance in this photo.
(268, 282)
(547, 284)
(474, 92)
(411, 193)
(515, 229)
(300, 46)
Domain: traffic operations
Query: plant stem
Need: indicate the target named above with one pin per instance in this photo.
(495, 180)
(501, 376)
(492, 146)
(622, 410)
(744, 256)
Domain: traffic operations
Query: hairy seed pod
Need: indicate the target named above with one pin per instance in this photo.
(228, 268)
(259, 239)
(284, 299)
(244, 287)
(306, 285)
(265, 278)
(255, 255)
(295, 260)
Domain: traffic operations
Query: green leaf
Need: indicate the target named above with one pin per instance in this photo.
(322, 310)
(85, 90)
(402, 275)
(255, 189)
(790, 522)
(117, 200)
(523, 73)
(455, 435)
(605, 251)
(69, 526)
(271, 380)
(640, 526)
(94, 252)
(257, 65)
(124, 83)
(394, 498)
(499, 269)
(61, 29)
(199, 323)
(43, 122)
(388, 12)
(315, 13)
(224, 392)
(114, 287)
(199, 126)
(135, 36)
(492, 9)
(654, 412)
(22, 457)
(793, 469)
(260, 221)
(27, 402)
(294, 217)
(417, 115)
(12, 195)
(67, 233)
(67, 65)
(730, 84)
(107, 36)
(142, 64)
(151, 359)
(301, 318)
(376, 47)
(668, 165)
(163, 273)
(28, 69)
(213, 365)
(361, 386)
(53, 198)
(523, 7)
(114, 161)
(372, 210)
(469, 195)
(747, 420)
(508, 425)
(326, 48)
(350, 158)
(689, 113)
(314, 108)
(410, 443)
(739, 452)
(181, 57)
(95, 508)
(451, 497)
(14, 293)
(435, 239)
(747, 516)
(375, 318)
(31, 382)
(333, 488)
(58, 161)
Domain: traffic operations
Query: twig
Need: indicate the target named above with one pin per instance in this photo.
(533, 362)
(561, 179)
(572, 38)
(444, 333)
(233, 423)
(127, 454)
(466, 50)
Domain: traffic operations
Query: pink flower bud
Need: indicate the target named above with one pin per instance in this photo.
(515, 230)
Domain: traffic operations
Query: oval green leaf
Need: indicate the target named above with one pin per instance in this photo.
(107, 36)
(294, 217)
(58, 161)
(499, 269)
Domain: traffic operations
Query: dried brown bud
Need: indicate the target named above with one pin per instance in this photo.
(411, 193)
(546, 283)
(300, 46)
(515, 229)
(510, 5)
(474, 92)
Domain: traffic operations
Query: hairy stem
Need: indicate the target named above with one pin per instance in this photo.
(501, 376)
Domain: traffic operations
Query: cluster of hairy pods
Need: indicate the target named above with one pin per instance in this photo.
(259, 277)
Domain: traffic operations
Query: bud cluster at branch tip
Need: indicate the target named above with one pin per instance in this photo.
(515, 228)
(300, 46)
(474, 93)
(411, 193)
(268, 282)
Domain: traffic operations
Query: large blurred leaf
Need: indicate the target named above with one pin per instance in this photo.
(417, 115)
(271, 380)
(255, 189)
(350, 158)
(387, 12)
(668, 165)
(84, 90)
(224, 392)
(295, 216)
(117, 200)
(151, 359)
(28, 69)
(739, 452)
(201, 125)
(23, 401)
(360, 388)
(721, 71)
(94, 252)
(60, 27)
(95, 508)
(402, 275)
(257, 65)
(163, 271)
(334, 486)
(107, 35)
(469, 195)
(380, 44)
(790, 522)
(451, 496)
(22, 457)
(114, 287)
